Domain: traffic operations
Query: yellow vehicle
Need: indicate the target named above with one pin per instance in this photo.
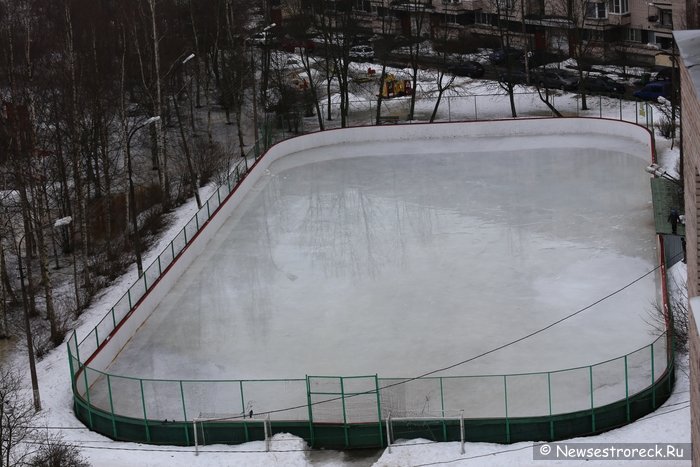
(396, 87)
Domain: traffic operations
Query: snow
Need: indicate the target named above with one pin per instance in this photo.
(671, 423)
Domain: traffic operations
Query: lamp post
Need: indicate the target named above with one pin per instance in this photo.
(194, 178)
(132, 196)
(28, 330)
(265, 80)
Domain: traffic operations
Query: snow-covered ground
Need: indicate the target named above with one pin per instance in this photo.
(671, 423)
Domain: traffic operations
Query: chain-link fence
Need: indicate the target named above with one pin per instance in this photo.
(612, 386)
(127, 408)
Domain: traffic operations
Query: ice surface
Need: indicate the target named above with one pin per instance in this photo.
(400, 258)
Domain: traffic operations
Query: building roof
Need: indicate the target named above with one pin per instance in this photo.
(688, 43)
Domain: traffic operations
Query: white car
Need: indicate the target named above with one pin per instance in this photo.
(361, 52)
(262, 38)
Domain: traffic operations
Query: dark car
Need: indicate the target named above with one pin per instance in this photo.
(555, 79)
(514, 77)
(603, 85)
(505, 55)
(468, 68)
(291, 44)
(664, 74)
(654, 90)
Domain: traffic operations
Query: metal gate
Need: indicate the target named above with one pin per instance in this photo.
(348, 402)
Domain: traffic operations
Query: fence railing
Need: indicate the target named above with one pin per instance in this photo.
(476, 107)
(134, 408)
(604, 394)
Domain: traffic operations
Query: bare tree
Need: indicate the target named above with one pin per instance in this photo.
(54, 451)
(584, 36)
(16, 417)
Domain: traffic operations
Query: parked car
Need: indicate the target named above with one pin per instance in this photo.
(603, 85)
(664, 74)
(514, 77)
(291, 44)
(262, 38)
(469, 68)
(555, 79)
(361, 53)
(654, 90)
(501, 56)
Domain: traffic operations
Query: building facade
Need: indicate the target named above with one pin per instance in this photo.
(688, 43)
(636, 31)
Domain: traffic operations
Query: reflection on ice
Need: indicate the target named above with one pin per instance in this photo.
(411, 258)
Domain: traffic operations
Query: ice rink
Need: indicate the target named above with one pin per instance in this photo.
(398, 258)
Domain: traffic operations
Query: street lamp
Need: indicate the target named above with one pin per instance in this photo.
(28, 330)
(658, 171)
(132, 196)
(188, 58)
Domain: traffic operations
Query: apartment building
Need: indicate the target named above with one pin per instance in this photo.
(634, 31)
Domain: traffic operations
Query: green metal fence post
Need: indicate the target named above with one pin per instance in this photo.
(128, 293)
(184, 413)
(670, 360)
(442, 407)
(245, 425)
(600, 106)
(345, 417)
(636, 112)
(653, 378)
(549, 397)
(311, 416)
(196, 221)
(97, 337)
(627, 392)
(160, 268)
(87, 396)
(72, 375)
(172, 250)
(379, 410)
(620, 109)
(77, 348)
(590, 378)
(505, 395)
(145, 282)
(145, 417)
(208, 210)
(111, 406)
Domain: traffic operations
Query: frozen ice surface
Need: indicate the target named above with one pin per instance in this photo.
(403, 257)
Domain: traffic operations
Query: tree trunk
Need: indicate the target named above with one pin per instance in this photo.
(188, 156)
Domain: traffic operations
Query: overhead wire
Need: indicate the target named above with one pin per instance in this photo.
(454, 365)
(403, 381)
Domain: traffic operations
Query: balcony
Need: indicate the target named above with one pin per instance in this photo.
(456, 7)
(619, 20)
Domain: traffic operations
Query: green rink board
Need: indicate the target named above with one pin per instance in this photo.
(373, 435)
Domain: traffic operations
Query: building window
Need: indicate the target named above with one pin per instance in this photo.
(451, 19)
(634, 35)
(596, 10)
(619, 7)
(664, 42)
(592, 35)
(363, 5)
(666, 18)
(482, 18)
